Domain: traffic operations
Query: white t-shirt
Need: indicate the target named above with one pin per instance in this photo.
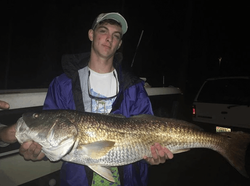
(102, 86)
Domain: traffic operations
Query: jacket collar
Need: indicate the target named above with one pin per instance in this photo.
(71, 63)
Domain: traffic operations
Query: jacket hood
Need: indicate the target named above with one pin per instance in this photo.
(71, 63)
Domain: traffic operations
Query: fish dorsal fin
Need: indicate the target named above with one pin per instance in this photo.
(97, 149)
(103, 171)
(116, 115)
(179, 151)
(167, 120)
(143, 116)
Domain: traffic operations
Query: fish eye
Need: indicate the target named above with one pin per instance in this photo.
(35, 115)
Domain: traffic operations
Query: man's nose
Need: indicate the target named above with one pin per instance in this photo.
(109, 38)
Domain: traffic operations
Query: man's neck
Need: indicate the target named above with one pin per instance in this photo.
(101, 65)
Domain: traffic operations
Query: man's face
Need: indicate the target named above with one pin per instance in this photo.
(106, 39)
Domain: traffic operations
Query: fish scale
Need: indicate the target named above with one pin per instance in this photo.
(100, 141)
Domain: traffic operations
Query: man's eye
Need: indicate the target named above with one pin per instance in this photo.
(102, 31)
(117, 36)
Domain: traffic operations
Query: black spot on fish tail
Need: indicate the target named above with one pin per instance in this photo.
(234, 149)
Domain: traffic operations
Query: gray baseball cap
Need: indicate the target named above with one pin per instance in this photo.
(112, 15)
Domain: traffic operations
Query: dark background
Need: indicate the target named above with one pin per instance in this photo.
(182, 40)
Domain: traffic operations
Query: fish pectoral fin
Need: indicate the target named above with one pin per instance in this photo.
(97, 149)
(179, 151)
(103, 171)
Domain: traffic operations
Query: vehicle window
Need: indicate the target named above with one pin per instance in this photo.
(228, 91)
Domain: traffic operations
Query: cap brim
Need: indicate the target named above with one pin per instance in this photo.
(117, 17)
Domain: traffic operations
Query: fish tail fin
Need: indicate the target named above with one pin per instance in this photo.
(234, 149)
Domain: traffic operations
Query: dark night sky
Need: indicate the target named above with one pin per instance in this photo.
(182, 40)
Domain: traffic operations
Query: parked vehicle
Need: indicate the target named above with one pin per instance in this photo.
(223, 102)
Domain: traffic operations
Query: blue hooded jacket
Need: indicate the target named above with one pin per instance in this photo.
(65, 93)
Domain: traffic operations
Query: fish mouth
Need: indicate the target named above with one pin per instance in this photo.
(20, 122)
(21, 127)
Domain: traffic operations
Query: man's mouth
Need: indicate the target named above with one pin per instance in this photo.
(107, 46)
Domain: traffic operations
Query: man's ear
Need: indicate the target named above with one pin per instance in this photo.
(90, 34)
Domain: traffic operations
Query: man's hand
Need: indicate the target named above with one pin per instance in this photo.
(159, 155)
(4, 105)
(7, 134)
(31, 150)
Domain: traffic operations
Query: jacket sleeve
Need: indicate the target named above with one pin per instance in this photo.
(59, 95)
(135, 101)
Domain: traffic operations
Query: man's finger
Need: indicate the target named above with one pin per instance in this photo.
(40, 156)
(37, 150)
(26, 150)
(31, 151)
(160, 150)
(168, 153)
(25, 146)
(151, 161)
(153, 152)
(4, 105)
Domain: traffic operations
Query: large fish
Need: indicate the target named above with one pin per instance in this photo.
(101, 141)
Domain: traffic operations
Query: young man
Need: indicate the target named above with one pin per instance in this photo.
(95, 82)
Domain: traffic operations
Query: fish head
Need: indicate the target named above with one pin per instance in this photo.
(53, 130)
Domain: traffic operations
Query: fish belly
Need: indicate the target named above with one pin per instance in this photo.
(117, 156)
